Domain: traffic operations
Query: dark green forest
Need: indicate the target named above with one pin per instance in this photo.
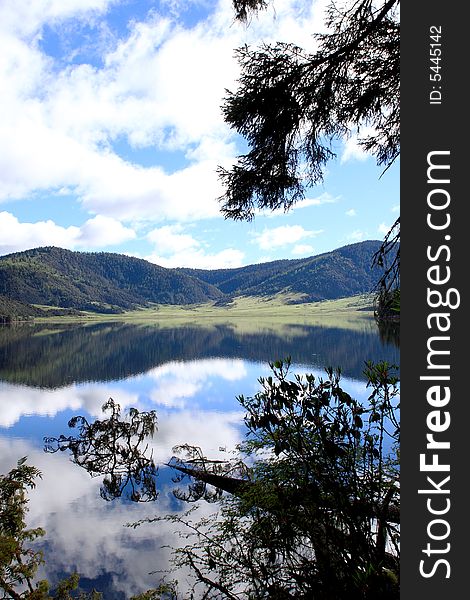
(14, 309)
(110, 283)
(343, 272)
(116, 351)
(102, 282)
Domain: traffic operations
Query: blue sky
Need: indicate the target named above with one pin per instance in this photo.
(111, 133)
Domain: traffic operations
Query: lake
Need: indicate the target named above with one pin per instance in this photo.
(190, 375)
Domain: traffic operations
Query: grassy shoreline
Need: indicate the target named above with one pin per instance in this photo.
(243, 313)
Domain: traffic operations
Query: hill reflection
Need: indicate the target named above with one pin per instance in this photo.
(48, 356)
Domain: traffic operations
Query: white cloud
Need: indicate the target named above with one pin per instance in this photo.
(208, 429)
(105, 183)
(160, 87)
(229, 258)
(174, 394)
(383, 228)
(283, 236)
(396, 208)
(175, 383)
(196, 370)
(16, 401)
(169, 239)
(25, 18)
(303, 249)
(174, 248)
(132, 192)
(356, 236)
(16, 236)
(100, 543)
(62, 126)
(324, 198)
(98, 231)
(103, 231)
(351, 212)
(178, 382)
(353, 150)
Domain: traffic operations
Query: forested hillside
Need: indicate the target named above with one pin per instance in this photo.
(106, 282)
(18, 310)
(103, 282)
(340, 273)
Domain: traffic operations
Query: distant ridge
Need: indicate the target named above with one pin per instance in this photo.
(101, 282)
(108, 282)
(337, 274)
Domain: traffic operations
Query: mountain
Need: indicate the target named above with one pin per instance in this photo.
(337, 274)
(18, 310)
(102, 282)
(107, 282)
(14, 310)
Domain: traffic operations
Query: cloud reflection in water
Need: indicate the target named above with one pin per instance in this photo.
(196, 404)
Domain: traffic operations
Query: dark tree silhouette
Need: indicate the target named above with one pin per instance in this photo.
(116, 448)
(291, 105)
(19, 560)
(316, 512)
(388, 287)
(208, 478)
(243, 8)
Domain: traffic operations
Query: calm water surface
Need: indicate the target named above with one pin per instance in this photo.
(190, 376)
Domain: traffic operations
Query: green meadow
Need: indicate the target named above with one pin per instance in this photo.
(245, 314)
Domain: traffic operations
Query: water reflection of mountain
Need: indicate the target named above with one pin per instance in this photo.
(52, 357)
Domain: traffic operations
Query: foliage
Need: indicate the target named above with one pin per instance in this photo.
(110, 282)
(100, 281)
(387, 304)
(291, 105)
(165, 591)
(319, 516)
(340, 273)
(243, 8)
(18, 562)
(314, 513)
(388, 286)
(11, 310)
(209, 478)
(116, 448)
